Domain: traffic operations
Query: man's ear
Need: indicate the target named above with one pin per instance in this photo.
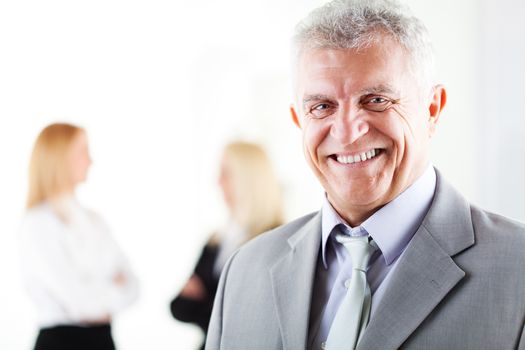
(437, 103)
(295, 118)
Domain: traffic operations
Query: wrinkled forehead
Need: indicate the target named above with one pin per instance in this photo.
(379, 63)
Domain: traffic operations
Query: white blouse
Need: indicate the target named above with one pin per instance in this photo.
(70, 267)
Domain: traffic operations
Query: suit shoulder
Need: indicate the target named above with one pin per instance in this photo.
(279, 234)
(500, 225)
(273, 243)
(494, 230)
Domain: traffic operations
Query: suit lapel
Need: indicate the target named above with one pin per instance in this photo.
(292, 283)
(422, 279)
(425, 273)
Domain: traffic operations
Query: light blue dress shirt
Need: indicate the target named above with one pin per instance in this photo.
(391, 227)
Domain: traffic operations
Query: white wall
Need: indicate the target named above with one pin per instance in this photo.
(454, 28)
(501, 144)
(162, 85)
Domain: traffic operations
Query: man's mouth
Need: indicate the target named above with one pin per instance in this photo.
(357, 157)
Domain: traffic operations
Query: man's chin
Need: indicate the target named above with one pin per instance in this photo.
(355, 197)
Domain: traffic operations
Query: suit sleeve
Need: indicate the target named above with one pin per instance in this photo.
(214, 337)
(194, 311)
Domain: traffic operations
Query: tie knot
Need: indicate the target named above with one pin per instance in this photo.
(359, 248)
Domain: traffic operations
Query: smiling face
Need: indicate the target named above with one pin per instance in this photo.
(366, 124)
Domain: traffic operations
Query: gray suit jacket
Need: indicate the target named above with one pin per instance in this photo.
(460, 284)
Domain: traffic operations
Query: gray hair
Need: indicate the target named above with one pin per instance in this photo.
(358, 24)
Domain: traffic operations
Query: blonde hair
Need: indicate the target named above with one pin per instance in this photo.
(256, 191)
(49, 169)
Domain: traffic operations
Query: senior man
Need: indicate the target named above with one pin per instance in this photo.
(396, 258)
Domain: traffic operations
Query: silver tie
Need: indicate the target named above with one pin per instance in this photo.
(352, 316)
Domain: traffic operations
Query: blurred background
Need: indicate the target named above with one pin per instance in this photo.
(161, 86)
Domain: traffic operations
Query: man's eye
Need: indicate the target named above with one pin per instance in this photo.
(377, 103)
(378, 100)
(320, 110)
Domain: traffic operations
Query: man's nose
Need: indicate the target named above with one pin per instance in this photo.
(349, 125)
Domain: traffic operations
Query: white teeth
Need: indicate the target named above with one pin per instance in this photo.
(358, 157)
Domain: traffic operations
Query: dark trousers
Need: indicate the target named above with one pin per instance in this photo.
(75, 337)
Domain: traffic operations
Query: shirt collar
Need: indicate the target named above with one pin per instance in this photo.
(392, 226)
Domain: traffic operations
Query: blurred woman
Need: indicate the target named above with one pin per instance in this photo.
(74, 271)
(253, 197)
